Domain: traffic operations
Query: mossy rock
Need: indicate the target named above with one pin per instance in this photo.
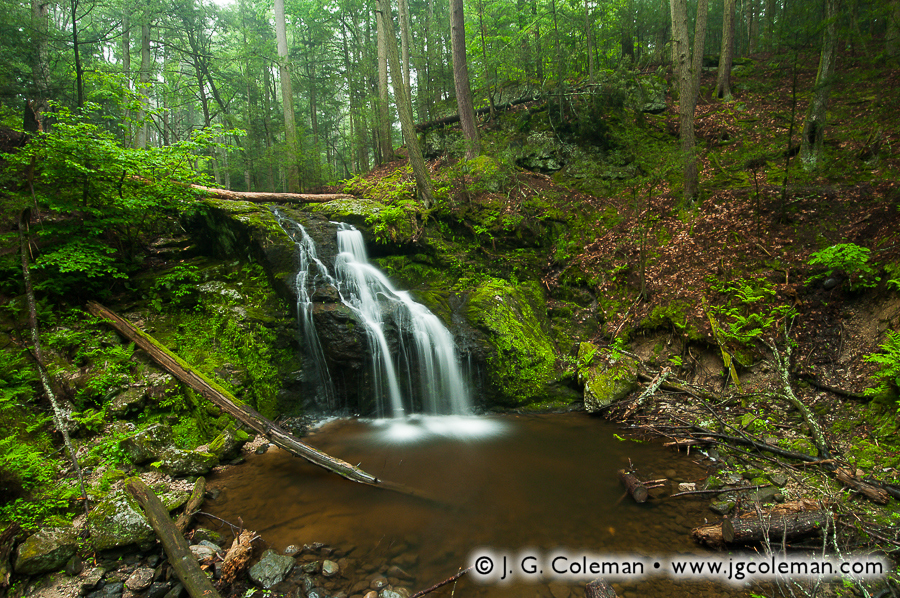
(607, 376)
(353, 210)
(119, 521)
(147, 444)
(47, 550)
(178, 462)
(521, 358)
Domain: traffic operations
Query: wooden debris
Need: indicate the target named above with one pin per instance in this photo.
(237, 559)
(262, 197)
(183, 562)
(873, 493)
(634, 486)
(790, 521)
(450, 579)
(599, 588)
(689, 442)
(193, 505)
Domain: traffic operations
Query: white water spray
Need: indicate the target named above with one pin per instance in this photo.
(427, 359)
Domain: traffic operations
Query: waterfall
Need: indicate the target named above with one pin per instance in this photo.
(424, 373)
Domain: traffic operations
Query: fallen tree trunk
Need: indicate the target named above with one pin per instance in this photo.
(791, 520)
(186, 567)
(871, 492)
(193, 505)
(599, 588)
(787, 526)
(266, 197)
(238, 557)
(228, 403)
(634, 486)
(449, 120)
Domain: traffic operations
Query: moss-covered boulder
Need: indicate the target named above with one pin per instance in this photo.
(148, 444)
(47, 550)
(228, 443)
(178, 462)
(607, 376)
(127, 402)
(119, 521)
(520, 357)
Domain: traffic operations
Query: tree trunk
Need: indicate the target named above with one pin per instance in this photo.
(403, 6)
(873, 493)
(40, 70)
(385, 143)
(220, 397)
(813, 139)
(774, 527)
(634, 486)
(461, 79)
(266, 197)
(628, 32)
(892, 39)
(404, 108)
(76, 47)
(58, 418)
(699, 45)
(142, 132)
(726, 54)
(681, 52)
(193, 505)
(589, 39)
(182, 560)
(287, 101)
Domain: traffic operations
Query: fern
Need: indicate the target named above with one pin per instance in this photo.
(888, 375)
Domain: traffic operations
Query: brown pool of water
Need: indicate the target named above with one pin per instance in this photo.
(539, 482)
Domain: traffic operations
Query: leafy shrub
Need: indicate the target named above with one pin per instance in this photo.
(888, 376)
(748, 311)
(849, 258)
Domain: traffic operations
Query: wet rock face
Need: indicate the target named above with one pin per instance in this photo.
(271, 569)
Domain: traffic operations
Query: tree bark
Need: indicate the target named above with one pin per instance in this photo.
(873, 493)
(682, 57)
(193, 505)
(287, 101)
(892, 39)
(404, 109)
(238, 557)
(143, 130)
(385, 142)
(774, 527)
(726, 54)
(58, 418)
(813, 139)
(461, 79)
(265, 197)
(40, 70)
(634, 486)
(180, 557)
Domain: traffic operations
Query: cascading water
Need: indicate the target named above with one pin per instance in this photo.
(427, 360)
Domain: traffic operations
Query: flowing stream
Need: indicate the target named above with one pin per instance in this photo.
(536, 481)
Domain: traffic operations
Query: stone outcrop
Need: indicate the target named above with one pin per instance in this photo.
(607, 376)
(45, 551)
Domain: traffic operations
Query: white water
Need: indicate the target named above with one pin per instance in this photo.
(426, 347)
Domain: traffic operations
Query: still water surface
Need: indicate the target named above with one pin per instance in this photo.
(511, 482)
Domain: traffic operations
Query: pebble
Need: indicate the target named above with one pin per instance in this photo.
(330, 568)
(292, 550)
(395, 571)
(158, 590)
(378, 582)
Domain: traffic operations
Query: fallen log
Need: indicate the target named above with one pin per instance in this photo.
(266, 197)
(634, 486)
(449, 120)
(791, 521)
(599, 588)
(846, 477)
(193, 505)
(186, 567)
(777, 527)
(231, 405)
(689, 442)
(440, 584)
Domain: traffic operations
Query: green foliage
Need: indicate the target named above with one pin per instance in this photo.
(748, 311)
(849, 258)
(394, 222)
(888, 375)
(893, 272)
(179, 282)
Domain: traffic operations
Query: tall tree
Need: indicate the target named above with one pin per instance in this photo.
(385, 144)
(893, 29)
(404, 109)
(816, 117)
(461, 79)
(40, 68)
(140, 140)
(726, 54)
(688, 70)
(287, 101)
